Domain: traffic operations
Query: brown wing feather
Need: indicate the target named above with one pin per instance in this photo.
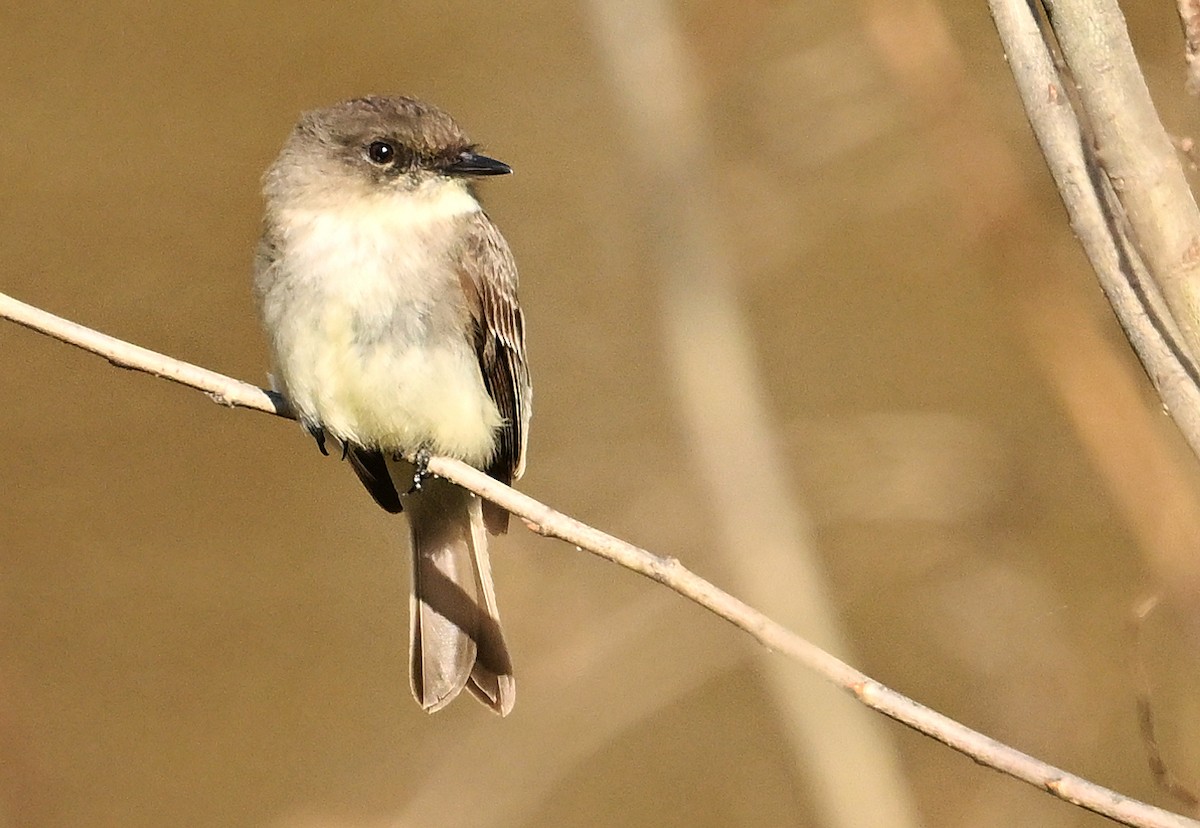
(489, 279)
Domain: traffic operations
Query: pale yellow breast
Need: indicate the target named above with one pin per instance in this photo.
(411, 388)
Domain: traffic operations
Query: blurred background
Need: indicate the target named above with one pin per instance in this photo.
(803, 311)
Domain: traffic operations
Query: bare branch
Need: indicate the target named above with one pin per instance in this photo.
(1135, 153)
(1143, 314)
(667, 571)
(221, 389)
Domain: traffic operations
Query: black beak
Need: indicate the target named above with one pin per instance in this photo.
(472, 164)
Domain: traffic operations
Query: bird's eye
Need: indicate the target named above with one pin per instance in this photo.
(381, 152)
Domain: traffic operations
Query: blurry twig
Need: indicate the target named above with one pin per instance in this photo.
(856, 776)
(667, 571)
(1145, 706)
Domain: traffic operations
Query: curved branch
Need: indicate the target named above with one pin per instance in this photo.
(1135, 152)
(667, 571)
(1156, 322)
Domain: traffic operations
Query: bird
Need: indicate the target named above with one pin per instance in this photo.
(389, 299)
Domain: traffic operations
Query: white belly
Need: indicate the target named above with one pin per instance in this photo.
(365, 339)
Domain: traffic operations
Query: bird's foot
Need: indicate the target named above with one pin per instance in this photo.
(421, 472)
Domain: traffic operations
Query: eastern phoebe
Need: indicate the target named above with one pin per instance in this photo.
(390, 300)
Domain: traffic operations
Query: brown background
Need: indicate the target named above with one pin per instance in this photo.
(202, 621)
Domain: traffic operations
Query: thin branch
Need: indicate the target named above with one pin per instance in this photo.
(667, 571)
(221, 389)
(1147, 724)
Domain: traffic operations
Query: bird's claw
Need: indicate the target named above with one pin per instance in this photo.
(421, 473)
(318, 434)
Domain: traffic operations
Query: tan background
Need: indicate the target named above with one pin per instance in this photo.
(202, 621)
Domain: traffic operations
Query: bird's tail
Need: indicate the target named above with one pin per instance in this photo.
(455, 628)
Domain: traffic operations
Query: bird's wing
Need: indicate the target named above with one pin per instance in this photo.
(489, 280)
